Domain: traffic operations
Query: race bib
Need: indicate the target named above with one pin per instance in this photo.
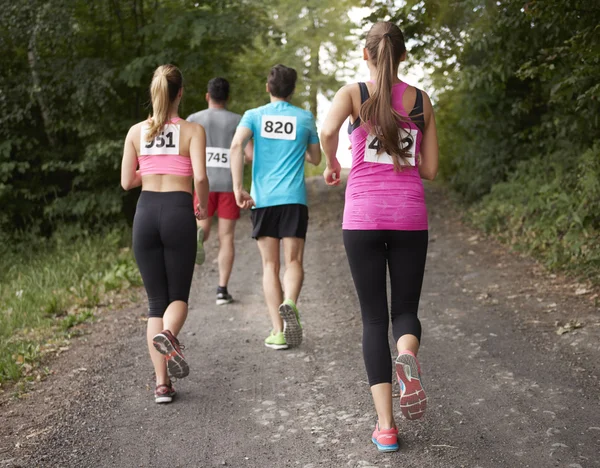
(372, 145)
(217, 157)
(278, 127)
(167, 141)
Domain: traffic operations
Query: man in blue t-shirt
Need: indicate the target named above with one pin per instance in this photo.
(284, 137)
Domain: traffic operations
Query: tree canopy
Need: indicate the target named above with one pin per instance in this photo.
(75, 76)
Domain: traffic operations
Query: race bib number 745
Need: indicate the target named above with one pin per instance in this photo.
(217, 157)
(372, 145)
(278, 127)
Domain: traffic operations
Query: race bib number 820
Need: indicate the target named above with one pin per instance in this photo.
(278, 127)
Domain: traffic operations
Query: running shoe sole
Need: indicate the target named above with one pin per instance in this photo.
(413, 401)
(163, 399)
(176, 363)
(224, 301)
(385, 448)
(291, 327)
(276, 346)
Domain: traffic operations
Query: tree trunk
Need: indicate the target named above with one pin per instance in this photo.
(36, 92)
(315, 71)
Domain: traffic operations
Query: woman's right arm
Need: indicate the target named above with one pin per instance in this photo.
(198, 157)
(428, 162)
(341, 108)
(130, 176)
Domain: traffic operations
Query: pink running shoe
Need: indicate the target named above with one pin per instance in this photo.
(386, 440)
(166, 343)
(413, 400)
(164, 393)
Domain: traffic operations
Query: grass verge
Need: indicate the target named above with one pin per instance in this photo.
(49, 287)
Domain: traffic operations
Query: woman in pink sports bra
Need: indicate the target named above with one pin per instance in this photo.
(164, 155)
(394, 146)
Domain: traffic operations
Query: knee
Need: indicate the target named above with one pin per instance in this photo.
(293, 263)
(271, 267)
(157, 307)
(226, 240)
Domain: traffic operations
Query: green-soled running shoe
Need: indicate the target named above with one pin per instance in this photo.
(292, 329)
(200, 255)
(276, 341)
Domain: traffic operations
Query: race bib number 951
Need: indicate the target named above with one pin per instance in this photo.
(278, 127)
(372, 145)
(217, 157)
(167, 141)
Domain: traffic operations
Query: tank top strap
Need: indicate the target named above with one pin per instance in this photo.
(402, 85)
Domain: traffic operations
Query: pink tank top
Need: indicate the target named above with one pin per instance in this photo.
(161, 155)
(377, 196)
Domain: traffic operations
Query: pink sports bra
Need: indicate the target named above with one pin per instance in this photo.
(161, 155)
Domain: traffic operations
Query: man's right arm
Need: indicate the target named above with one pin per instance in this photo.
(313, 153)
(313, 149)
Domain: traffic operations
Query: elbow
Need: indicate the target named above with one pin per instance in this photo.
(429, 174)
(126, 184)
(327, 135)
(314, 158)
(200, 179)
(236, 146)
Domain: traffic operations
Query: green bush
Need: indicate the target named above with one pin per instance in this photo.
(549, 207)
(517, 101)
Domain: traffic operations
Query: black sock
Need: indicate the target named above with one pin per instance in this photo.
(222, 289)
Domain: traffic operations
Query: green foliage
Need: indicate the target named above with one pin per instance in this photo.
(49, 286)
(549, 207)
(75, 76)
(518, 108)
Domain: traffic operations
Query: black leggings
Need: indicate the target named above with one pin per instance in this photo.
(164, 245)
(404, 252)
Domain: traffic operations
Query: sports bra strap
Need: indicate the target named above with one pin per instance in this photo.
(364, 92)
(175, 120)
(417, 115)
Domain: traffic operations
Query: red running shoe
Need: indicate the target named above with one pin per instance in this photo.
(413, 400)
(166, 343)
(164, 393)
(386, 440)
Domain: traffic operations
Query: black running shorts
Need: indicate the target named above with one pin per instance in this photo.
(280, 221)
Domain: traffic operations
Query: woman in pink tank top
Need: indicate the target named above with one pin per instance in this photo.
(394, 146)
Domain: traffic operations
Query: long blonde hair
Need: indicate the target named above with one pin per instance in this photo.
(166, 83)
(385, 44)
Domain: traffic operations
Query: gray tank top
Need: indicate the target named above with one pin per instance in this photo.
(220, 126)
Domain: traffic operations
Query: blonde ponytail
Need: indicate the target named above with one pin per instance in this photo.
(385, 44)
(166, 83)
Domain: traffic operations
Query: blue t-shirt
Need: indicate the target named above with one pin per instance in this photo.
(282, 133)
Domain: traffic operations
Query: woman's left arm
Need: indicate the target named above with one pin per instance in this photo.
(130, 176)
(428, 162)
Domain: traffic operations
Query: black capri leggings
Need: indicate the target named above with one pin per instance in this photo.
(405, 253)
(164, 245)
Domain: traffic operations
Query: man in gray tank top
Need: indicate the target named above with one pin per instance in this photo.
(220, 125)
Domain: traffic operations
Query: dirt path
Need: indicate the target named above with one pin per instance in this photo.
(505, 390)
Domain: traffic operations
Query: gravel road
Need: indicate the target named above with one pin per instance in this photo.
(505, 390)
